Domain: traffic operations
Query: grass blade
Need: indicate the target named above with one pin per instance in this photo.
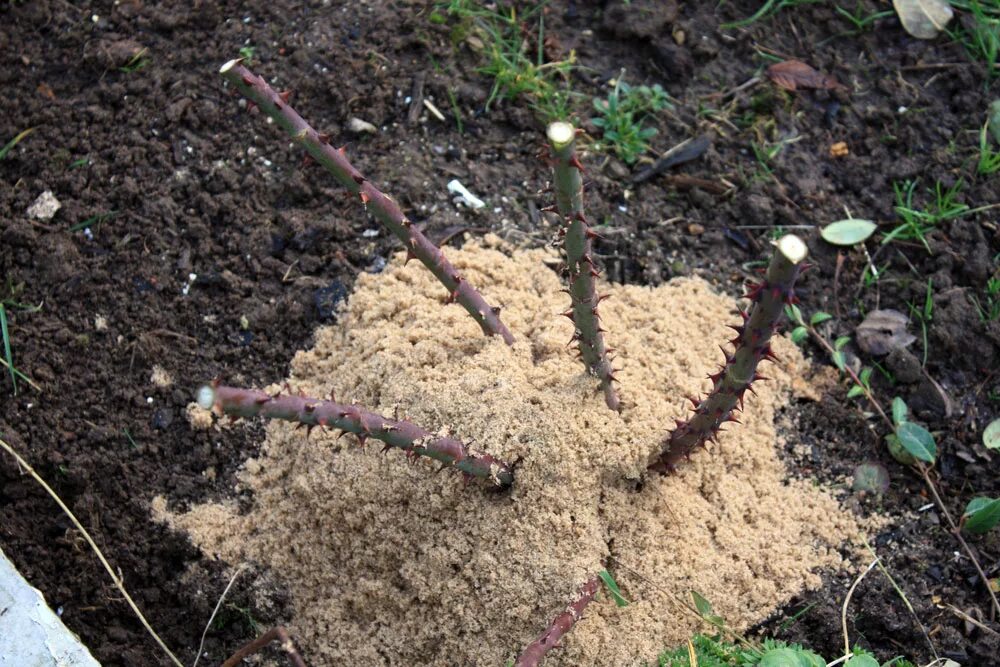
(6, 346)
(14, 142)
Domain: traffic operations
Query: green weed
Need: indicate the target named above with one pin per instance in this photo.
(916, 223)
(514, 61)
(623, 114)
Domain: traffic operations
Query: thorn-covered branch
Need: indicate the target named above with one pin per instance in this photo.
(399, 433)
(275, 105)
(579, 260)
(752, 343)
(561, 624)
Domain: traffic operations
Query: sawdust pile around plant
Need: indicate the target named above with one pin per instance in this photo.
(390, 564)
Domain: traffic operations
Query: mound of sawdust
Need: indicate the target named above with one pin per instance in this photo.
(390, 564)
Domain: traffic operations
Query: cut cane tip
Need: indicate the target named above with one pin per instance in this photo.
(792, 247)
(230, 65)
(206, 397)
(560, 133)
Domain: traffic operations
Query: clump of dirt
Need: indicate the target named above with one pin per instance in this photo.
(390, 564)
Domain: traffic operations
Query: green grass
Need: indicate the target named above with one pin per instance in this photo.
(768, 9)
(859, 19)
(989, 159)
(514, 62)
(9, 146)
(8, 356)
(990, 310)
(622, 116)
(924, 315)
(915, 222)
(136, 62)
(981, 36)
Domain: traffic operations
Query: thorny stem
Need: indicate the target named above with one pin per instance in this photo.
(383, 207)
(401, 433)
(739, 372)
(924, 472)
(577, 237)
(276, 632)
(561, 624)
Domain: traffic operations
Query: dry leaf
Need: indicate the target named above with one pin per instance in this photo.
(795, 75)
(923, 19)
(883, 331)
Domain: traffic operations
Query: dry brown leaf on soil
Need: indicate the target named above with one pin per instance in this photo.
(795, 75)
(923, 19)
(883, 331)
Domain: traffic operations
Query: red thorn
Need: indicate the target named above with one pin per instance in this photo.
(247, 80)
(364, 198)
(591, 234)
(358, 178)
(251, 106)
(409, 256)
(568, 313)
(342, 150)
(323, 138)
(758, 376)
(575, 162)
(284, 95)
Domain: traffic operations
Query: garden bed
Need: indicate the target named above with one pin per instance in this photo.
(191, 243)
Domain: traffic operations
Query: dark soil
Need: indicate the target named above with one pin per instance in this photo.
(213, 251)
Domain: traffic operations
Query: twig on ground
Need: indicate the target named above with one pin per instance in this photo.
(899, 591)
(218, 605)
(93, 545)
(847, 601)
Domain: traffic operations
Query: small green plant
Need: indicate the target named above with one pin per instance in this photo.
(924, 314)
(768, 9)
(715, 651)
(516, 63)
(622, 115)
(9, 146)
(246, 52)
(981, 35)
(859, 19)
(136, 62)
(990, 310)
(861, 381)
(989, 158)
(916, 223)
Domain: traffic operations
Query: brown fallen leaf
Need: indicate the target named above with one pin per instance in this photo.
(795, 75)
(883, 331)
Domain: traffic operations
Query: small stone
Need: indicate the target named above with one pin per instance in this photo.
(696, 229)
(45, 207)
(100, 323)
(160, 377)
(358, 126)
